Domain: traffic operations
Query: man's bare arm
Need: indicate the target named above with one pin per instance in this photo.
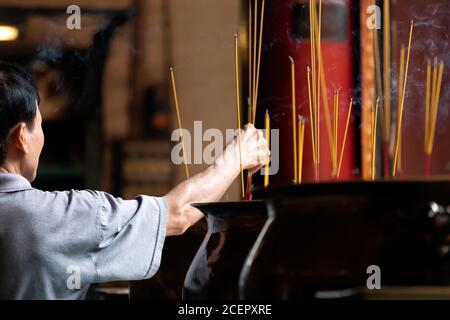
(211, 184)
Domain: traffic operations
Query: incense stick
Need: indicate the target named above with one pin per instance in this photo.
(427, 105)
(266, 171)
(301, 139)
(255, 36)
(313, 79)
(326, 108)
(335, 130)
(434, 84)
(432, 114)
(345, 138)
(401, 74)
(400, 116)
(387, 71)
(314, 86)
(250, 63)
(322, 82)
(311, 116)
(377, 62)
(238, 109)
(435, 109)
(374, 137)
(399, 162)
(294, 117)
(261, 28)
(318, 48)
(175, 96)
(386, 117)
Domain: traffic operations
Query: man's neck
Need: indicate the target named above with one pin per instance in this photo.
(9, 168)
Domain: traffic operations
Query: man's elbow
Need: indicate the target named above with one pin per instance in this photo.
(177, 223)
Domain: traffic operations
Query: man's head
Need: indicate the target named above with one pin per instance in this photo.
(21, 135)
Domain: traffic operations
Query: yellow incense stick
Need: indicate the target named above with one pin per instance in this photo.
(314, 85)
(377, 62)
(250, 61)
(301, 139)
(345, 137)
(374, 138)
(427, 105)
(401, 74)
(335, 130)
(238, 109)
(255, 36)
(434, 83)
(311, 116)
(400, 116)
(261, 28)
(294, 118)
(322, 82)
(326, 108)
(267, 126)
(175, 96)
(318, 48)
(399, 162)
(387, 71)
(313, 74)
(435, 108)
(333, 168)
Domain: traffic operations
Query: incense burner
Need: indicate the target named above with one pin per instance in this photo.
(232, 230)
(323, 240)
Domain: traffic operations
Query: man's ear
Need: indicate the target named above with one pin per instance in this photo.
(19, 137)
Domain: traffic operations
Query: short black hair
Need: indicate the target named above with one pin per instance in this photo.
(18, 97)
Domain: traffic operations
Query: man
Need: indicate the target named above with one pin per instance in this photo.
(48, 237)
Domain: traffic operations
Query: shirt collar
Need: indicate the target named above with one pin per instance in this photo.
(10, 182)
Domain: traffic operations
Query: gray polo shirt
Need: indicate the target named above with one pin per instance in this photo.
(54, 245)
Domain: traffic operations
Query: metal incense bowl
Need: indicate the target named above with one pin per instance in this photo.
(232, 231)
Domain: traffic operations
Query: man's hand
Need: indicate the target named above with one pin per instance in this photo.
(249, 151)
(254, 149)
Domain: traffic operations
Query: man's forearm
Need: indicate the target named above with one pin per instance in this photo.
(249, 151)
(207, 186)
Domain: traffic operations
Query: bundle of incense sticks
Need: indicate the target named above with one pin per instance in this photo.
(315, 26)
(386, 117)
(337, 160)
(177, 108)
(312, 119)
(255, 37)
(383, 82)
(335, 132)
(318, 89)
(433, 91)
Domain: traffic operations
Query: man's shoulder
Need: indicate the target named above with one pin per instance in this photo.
(38, 200)
(66, 194)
